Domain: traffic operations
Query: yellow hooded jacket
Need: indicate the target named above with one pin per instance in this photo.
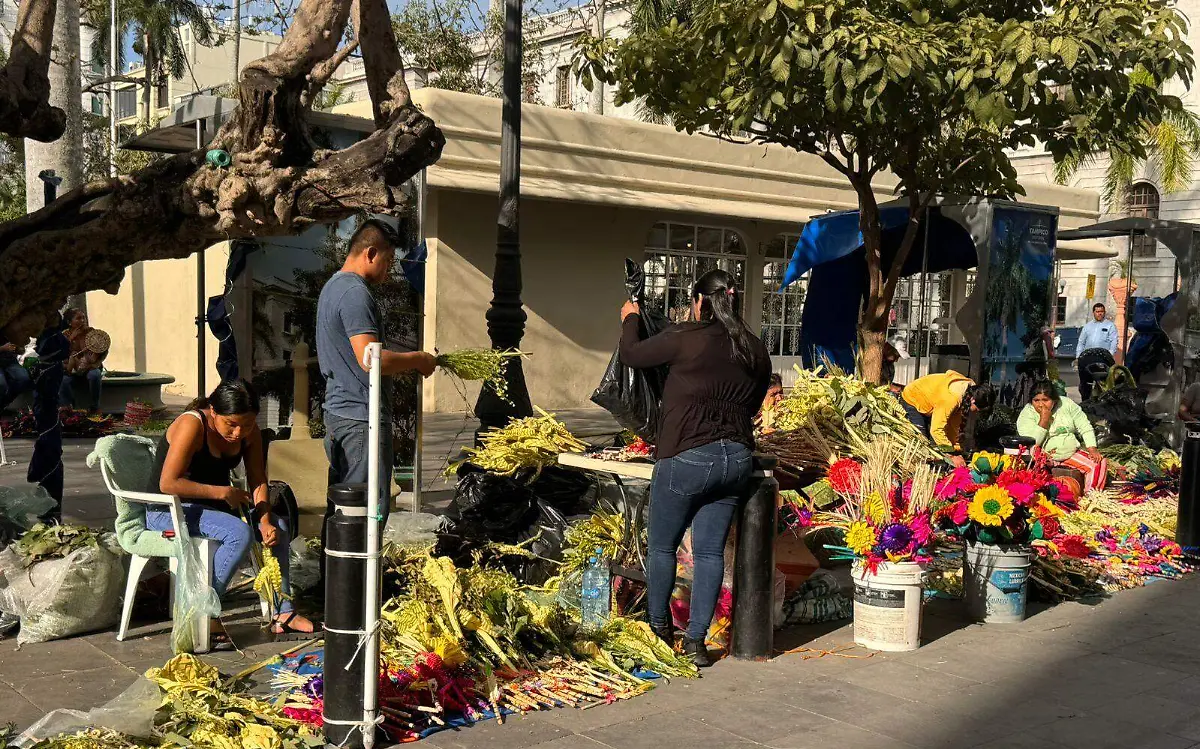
(933, 397)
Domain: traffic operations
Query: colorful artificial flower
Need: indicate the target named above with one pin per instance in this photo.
(990, 506)
(845, 475)
(1021, 492)
(958, 481)
(989, 463)
(960, 511)
(895, 538)
(875, 509)
(1051, 528)
(1045, 508)
(922, 529)
(1074, 546)
(860, 537)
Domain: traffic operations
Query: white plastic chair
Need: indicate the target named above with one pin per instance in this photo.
(206, 547)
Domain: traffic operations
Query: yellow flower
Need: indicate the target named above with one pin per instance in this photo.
(991, 505)
(875, 509)
(990, 463)
(260, 737)
(1051, 508)
(860, 537)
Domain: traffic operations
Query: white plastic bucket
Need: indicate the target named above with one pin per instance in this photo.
(887, 606)
(996, 582)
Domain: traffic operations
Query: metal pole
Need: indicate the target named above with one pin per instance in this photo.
(922, 336)
(201, 310)
(506, 316)
(370, 706)
(418, 450)
(112, 88)
(754, 566)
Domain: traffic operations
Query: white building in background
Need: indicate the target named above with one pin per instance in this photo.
(1153, 264)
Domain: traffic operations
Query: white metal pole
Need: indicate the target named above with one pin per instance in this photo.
(373, 356)
(418, 450)
(112, 88)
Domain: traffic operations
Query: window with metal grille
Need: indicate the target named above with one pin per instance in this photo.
(921, 320)
(781, 310)
(126, 102)
(562, 86)
(97, 105)
(163, 96)
(678, 254)
(1143, 201)
(1060, 311)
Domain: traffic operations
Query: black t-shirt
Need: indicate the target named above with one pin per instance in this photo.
(709, 395)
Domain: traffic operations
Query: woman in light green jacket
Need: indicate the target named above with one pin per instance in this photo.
(1060, 427)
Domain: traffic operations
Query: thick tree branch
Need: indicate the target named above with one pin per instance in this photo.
(278, 184)
(381, 59)
(323, 72)
(25, 110)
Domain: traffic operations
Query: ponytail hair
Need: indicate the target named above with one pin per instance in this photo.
(721, 302)
(983, 396)
(230, 398)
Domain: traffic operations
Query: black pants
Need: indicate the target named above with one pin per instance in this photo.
(918, 419)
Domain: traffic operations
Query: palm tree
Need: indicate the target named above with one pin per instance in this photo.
(651, 15)
(1172, 146)
(155, 24)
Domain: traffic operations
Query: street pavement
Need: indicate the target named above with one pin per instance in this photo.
(1120, 674)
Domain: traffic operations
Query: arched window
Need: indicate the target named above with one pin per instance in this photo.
(1143, 201)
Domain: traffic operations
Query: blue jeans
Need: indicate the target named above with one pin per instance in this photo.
(14, 380)
(92, 378)
(233, 537)
(701, 488)
(346, 448)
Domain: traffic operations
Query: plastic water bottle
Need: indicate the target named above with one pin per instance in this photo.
(595, 598)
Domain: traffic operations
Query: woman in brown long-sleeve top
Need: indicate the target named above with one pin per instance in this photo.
(719, 373)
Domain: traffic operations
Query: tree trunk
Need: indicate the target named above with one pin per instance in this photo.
(148, 63)
(874, 315)
(25, 107)
(597, 102)
(64, 76)
(237, 41)
(278, 183)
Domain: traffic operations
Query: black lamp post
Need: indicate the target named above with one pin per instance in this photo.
(506, 315)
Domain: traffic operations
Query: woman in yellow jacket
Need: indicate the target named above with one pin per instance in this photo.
(935, 404)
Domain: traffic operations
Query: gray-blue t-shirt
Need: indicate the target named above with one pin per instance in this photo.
(345, 309)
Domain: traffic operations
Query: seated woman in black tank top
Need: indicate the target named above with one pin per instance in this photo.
(195, 459)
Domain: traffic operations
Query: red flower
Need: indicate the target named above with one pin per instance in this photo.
(960, 511)
(1074, 546)
(1050, 527)
(958, 481)
(844, 476)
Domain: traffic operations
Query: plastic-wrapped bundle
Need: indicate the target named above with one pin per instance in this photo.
(58, 598)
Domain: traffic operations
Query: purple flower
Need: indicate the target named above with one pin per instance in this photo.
(896, 538)
(315, 687)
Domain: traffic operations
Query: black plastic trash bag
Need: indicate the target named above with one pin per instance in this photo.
(491, 507)
(633, 396)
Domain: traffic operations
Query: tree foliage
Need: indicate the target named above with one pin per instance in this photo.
(459, 44)
(932, 91)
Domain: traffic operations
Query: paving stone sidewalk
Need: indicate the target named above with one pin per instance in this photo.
(1123, 674)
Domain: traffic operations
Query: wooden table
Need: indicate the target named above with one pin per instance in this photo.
(615, 467)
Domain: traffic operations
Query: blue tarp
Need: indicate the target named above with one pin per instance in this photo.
(831, 247)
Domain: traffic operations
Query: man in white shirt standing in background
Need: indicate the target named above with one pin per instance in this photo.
(1098, 333)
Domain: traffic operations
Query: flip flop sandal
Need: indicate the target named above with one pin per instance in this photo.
(292, 635)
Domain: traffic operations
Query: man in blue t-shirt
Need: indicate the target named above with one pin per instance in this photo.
(348, 319)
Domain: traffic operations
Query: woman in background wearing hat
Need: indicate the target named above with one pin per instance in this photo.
(83, 365)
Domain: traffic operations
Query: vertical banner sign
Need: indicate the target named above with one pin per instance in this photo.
(1091, 287)
(1019, 284)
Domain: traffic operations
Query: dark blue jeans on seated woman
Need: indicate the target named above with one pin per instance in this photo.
(701, 488)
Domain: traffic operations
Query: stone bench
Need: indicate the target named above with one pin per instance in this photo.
(118, 389)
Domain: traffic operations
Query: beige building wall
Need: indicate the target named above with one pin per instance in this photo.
(152, 319)
(208, 67)
(574, 284)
